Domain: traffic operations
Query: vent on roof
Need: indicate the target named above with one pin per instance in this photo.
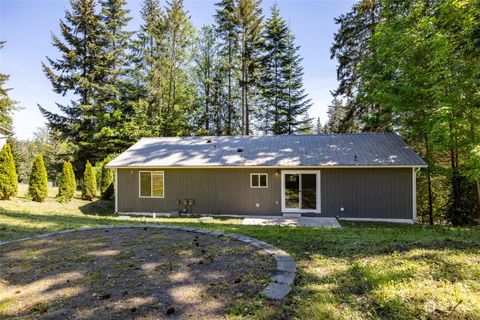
(239, 150)
(356, 158)
(209, 141)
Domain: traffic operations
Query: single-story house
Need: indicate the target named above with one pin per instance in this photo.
(4, 133)
(370, 176)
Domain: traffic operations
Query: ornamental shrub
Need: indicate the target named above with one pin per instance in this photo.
(107, 179)
(89, 187)
(38, 182)
(67, 184)
(8, 175)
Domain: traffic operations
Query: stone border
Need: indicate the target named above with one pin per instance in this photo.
(277, 289)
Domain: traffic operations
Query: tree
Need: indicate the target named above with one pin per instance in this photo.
(67, 184)
(107, 179)
(8, 175)
(226, 25)
(273, 86)
(250, 39)
(318, 127)
(351, 45)
(89, 186)
(7, 105)
(80, 71)
(38, 182)
(297, 102)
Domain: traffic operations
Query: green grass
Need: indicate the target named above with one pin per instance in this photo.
(362, 271)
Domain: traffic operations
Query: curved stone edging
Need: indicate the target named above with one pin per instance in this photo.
(277, 289)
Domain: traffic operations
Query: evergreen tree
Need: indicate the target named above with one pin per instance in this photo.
(38, 182)
(297, 102)
(114, 98)
(67, 184)
(226, 20)
(318, 127)
(250, 39)
(107, 179)
(272, 82)
(351, 45)
(205, 69)
(306, 126)
(79, 71)
(7, 105)
(89, 186)
(338, 119)
(8, 175)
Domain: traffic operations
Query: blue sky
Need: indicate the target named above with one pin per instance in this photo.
(26, 25)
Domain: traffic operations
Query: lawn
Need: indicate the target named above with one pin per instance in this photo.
(361, 271)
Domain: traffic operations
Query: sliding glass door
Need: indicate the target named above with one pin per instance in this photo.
(301, 191)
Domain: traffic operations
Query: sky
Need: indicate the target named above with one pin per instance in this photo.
(27, 25)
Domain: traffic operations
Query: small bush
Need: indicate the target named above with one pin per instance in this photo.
(67, 184)
(107, 178)
(38, 183)
(89, 187)
(8, 175)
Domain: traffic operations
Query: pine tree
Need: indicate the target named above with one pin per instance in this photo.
(89, 186)
(250, 22)
(38, 182)
(306, 126)
(318, 126)
(114, 97)
(80, 71)
(226, 25)
(67, 184)
(8, 175)
(205, 69)
(272, 73)
(7, 105)
(297, 102)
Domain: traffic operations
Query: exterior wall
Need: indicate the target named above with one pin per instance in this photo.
(368, 193)
(214, 191)
(374, 193)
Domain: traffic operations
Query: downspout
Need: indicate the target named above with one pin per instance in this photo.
(116, 190)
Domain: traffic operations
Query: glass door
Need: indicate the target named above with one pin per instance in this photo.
(301, 191)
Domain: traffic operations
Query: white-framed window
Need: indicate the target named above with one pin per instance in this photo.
(258, 180)
(151, 184)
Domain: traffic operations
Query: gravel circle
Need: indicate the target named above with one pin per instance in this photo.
(142, 272)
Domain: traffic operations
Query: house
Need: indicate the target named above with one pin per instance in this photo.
(369, 176)
(4, 133)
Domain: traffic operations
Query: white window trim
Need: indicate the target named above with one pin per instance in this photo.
(152, 173)
(319, 204)
(259, 186)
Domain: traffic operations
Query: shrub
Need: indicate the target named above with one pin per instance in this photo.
(89, 187)
(107, 178)
(38, 183)
(67, 184)
(8, 175)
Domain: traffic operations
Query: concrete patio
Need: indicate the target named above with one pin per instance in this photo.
(293, 221)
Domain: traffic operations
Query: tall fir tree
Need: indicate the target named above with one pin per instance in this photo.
(226, 24)
(114, 98)
(38, 182)
(318, 127)
(272, 81)
(206, 67)
(250, 23)
(79, 71)
(297, 101)
(8, 174)
(7, 105)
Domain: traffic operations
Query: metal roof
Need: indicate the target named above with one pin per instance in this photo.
(327, 150)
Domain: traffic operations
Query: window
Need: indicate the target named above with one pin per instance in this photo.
(258, 180)
(151, 184)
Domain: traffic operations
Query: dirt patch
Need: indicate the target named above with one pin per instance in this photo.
(130, 273)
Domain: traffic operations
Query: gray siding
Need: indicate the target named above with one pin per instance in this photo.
(363, 193)
(367, 193)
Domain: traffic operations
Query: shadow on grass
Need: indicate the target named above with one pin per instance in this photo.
(129, 273)
(99, 207)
